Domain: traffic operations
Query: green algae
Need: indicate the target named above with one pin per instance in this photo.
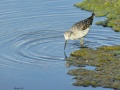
(108, 8)
(107, 71)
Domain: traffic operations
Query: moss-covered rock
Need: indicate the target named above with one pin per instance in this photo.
(107, 62)
(108, 8)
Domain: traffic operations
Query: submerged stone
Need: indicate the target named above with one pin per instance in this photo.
(107, 62)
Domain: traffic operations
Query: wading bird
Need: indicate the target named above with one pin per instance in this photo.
(79, 30)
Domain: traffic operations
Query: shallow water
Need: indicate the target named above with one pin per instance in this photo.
(31, 43)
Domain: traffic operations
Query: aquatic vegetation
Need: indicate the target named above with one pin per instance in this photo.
(108, 8)
(107, 62)
(109, 48)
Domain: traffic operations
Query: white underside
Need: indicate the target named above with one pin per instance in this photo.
(79, 34)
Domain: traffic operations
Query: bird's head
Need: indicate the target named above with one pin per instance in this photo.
(67, 36)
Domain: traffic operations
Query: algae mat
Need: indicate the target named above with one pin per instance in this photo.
(107, 62)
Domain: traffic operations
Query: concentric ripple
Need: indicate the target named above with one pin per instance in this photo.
(35, 48)
(40, 47)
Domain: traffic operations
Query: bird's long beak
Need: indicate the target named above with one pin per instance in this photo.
(65, 44)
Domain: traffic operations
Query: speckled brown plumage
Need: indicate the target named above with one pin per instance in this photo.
(84, 24)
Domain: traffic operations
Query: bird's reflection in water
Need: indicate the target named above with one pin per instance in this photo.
(67, 64)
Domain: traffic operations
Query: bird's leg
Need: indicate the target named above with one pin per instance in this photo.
(81, 41)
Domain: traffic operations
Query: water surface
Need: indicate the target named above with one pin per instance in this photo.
(31, 43)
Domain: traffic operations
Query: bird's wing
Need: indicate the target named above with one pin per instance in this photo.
(82, 25)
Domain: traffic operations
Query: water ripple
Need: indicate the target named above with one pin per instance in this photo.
(33, 47)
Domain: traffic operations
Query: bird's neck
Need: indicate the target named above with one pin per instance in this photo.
(91, 17)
